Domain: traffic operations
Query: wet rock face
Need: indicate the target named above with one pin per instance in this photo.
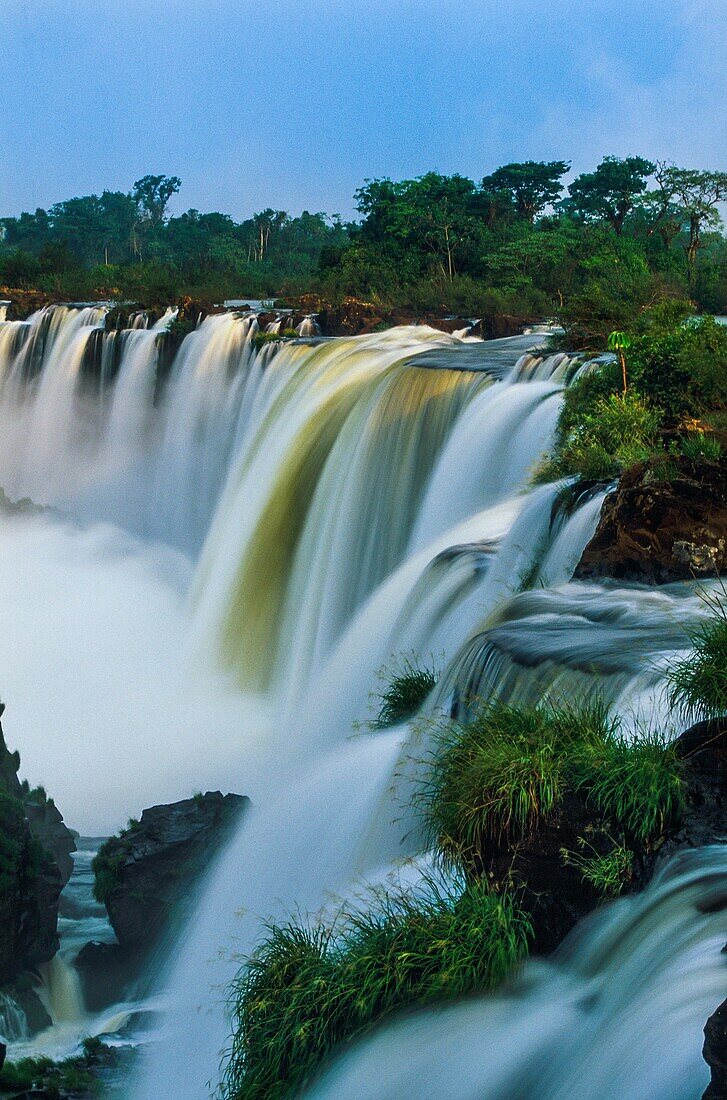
(146, 877)
(33, 839)
(715, 1053)
(666, 521)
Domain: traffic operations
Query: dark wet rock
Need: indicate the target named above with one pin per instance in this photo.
(146, 876)
(31, 879)
(715, 1053)
(703, 748)
(23, 991)
(666, 521)
(46, 822)
(551, 890)
(109, 974)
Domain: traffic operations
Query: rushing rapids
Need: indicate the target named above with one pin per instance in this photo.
(344, 502)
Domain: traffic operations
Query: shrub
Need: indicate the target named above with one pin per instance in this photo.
(406, 691)
(497, 778)
(106, 866)
(682, 369)
(699, 681)
(307, 989)
(72, 1076)
(617, 432)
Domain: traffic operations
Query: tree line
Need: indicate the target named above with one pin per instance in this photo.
(619, 237)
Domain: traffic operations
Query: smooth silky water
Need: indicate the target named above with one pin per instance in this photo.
(240, 540)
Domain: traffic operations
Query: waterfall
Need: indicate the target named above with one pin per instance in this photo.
(343, 502)
(13, 1022)
(619, 1011)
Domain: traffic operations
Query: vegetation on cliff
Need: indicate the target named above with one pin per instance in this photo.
(675, 404)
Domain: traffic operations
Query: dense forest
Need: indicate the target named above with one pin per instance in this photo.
(595, 253)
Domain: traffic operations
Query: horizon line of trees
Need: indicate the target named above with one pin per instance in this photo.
(631, 230)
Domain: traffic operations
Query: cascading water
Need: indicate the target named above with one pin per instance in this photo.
(618, 1012)
(370, 498)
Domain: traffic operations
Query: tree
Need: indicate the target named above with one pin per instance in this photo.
(611, 192)
(151, 195)
(698, 194)
(530, 186)
(433, 215)
(619, 342)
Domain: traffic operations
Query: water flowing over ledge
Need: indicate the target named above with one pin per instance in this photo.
(344, 501)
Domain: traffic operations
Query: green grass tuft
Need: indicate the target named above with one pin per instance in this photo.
(637, 786)
(501, 777)
(699, 445)
(699, 681)
(308, 989)
(497, 778)
(608, 873)
(616, 432)
(406, 689)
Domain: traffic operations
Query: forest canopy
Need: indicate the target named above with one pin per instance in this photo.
(597, 251)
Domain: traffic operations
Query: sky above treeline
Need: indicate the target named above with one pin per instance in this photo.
(292, 104)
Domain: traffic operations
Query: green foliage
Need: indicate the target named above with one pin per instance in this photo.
(406, 689)
(682, 368)
(612, 191)
(107, 863)
(499, 778)
(614, 433)
(637, 786)
(72, 1076)
(698, 682)
(609, 873)
(260, 339)
(698, 445)
(496, 779)
(305, 990)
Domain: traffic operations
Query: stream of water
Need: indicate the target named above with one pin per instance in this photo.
(239, 541)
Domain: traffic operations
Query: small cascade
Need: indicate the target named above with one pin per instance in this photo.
(618, 1012)
(60, 991)
(308, 326)
(13, 1022)
(575, 641)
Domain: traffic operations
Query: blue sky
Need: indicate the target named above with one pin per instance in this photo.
(292, 104)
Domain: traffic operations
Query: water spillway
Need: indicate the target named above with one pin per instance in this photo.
(339, 503)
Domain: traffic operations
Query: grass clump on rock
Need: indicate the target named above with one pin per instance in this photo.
(307, 989)
(495, 779)
(698, 682)
(406, 689)
(504, 776)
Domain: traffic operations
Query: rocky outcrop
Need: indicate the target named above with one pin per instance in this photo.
(666, 521)
(145, 876)
(715, 1053)
(553, 890)
(33, 839)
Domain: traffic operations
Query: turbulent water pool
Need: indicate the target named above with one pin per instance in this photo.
(236, 542)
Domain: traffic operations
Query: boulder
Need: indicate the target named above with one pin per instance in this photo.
(666, 521)
(715, 1053)
(146, 875)
(108, 973)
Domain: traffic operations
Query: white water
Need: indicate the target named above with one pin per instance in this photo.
(619, 1012)
(366, 503)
